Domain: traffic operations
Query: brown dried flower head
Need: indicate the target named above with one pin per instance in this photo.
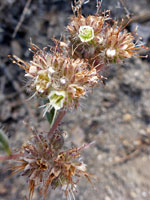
(85, 34)
(46, 166)
(118, 44)
(97, 42)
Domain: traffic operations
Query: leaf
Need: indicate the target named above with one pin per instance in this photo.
(4, 145)
(51, 116)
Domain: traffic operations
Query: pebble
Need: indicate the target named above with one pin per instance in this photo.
(107, 198)
(133, 194)
(127, 117)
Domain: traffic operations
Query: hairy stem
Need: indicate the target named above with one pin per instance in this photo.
(56, 123)
(11, 157)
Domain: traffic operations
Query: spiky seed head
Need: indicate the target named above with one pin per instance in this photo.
(59, 79)
(46, 165)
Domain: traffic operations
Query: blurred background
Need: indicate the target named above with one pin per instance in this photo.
(115, 115)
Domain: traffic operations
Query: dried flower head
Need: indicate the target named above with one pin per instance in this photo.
(85, 34)
(58, 78)
(46, 166)
(119, 44)
(96, 41)
(86, 29)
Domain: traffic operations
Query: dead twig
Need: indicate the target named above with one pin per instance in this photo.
(21, 18)
(121, 160)
(138, 146)
(125, 8)
(142, 17)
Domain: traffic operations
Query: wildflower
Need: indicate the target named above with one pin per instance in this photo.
(99, 43)
(86, 33)
(57, 99)
(119, 44)
(58, 78)
(81, 28)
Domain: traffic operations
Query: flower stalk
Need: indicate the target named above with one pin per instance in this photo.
(60, 116)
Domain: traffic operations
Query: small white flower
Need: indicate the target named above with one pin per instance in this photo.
(57, 99)
(111, 53)
(86, 33)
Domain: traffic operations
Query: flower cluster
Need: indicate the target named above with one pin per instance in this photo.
(96, 41)
(66, 74)
(46, 165)
(60, 79)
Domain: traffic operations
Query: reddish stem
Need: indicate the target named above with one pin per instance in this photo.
(11, 157)
(56, 123)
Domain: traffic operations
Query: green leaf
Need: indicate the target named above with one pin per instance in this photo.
(4, 145)
(51, 116)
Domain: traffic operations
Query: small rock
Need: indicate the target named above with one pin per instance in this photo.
(127, 117)
(107, 198)
(133, 194)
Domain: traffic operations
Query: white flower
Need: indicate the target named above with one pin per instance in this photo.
(111, 53)
(57, 99)
(86, 33)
